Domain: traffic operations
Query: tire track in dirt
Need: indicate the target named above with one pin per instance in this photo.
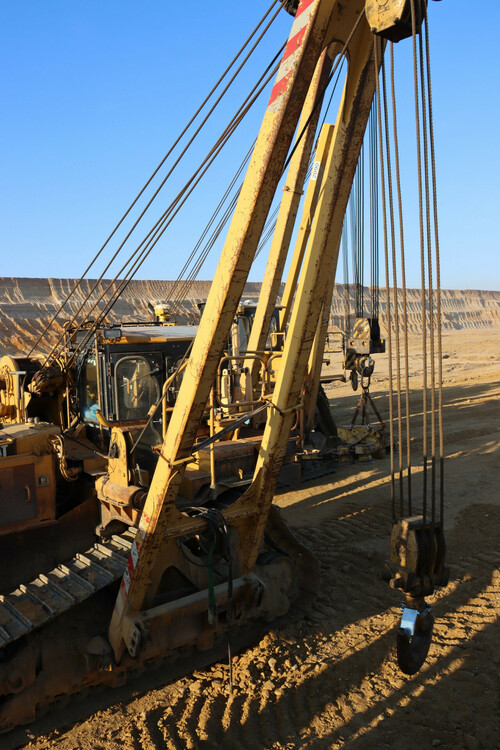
(345, 675)
(330, 678)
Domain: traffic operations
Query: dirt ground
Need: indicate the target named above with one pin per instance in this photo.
(330, 680)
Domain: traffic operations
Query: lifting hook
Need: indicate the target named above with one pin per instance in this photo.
(414, 636)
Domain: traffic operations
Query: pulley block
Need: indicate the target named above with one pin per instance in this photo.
(417, 556)
(392, 19)
(417, 567)
(363, 340)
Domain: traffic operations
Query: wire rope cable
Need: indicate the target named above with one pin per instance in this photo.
(376, 53)
(158, 229)
(403, 286)
(394, 290)
(438, 270)
(374, 212)
(319, 98)
(423, 96)
(156, 232)
(269, 227)
(155, 172)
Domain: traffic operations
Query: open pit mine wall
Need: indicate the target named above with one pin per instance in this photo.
(467, 308)
(27, 305)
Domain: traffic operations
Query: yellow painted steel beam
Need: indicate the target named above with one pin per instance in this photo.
(310, 202)
(318, 350)
(315, 363)
(292, 193)
(307, 40)
(315, 283)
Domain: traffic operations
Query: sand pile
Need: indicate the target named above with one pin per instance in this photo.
(27, 305)
(461, 309)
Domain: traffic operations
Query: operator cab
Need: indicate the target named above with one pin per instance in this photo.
(122, 370)
(122, 375)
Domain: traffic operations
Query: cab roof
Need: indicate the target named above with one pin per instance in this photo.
(142, 334)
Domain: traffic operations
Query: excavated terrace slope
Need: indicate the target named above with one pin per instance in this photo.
(27, 305)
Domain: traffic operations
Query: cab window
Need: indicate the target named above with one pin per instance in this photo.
(89, 390)
(271, 342)
(136, 387)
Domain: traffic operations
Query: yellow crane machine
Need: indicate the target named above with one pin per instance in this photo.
(137, 472)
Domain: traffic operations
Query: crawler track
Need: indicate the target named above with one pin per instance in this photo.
(33, 605)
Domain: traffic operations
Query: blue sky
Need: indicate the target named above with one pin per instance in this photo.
(94, 92)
